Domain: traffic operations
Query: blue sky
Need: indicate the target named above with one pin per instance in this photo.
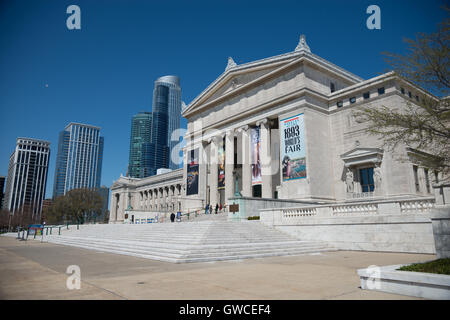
(103, 74)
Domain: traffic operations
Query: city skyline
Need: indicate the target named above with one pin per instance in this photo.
(102, 73)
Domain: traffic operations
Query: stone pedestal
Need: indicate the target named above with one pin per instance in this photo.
(440, 219)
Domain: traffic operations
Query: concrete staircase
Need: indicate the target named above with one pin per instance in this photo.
(198, 241)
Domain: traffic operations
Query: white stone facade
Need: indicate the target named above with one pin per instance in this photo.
(340, 155)
(147, 197)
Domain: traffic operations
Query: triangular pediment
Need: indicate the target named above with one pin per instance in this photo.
(235, 79)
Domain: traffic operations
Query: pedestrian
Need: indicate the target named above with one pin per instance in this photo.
(206, 209)
(172, 217)
(209, 208)
(217, 207)
(220, 208)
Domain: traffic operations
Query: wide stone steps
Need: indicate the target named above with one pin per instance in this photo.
(197, 241)
(180, 256)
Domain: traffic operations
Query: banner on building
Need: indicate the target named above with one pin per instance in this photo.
(221, 178)
(192, 172)
(293, 154)
(256, 156)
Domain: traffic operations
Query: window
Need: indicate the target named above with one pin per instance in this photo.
(402, 90)
(436, 176)
(381, 90)
(332, 87)
(340, 104)
(427, 180)
(352, 100)
(416, 178)
(366, 95)
(366, 178)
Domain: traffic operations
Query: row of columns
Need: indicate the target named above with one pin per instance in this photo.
(160, 199)
(244, 157)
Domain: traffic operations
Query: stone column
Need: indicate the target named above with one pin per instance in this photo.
(245, 160)
(265, 156)
(153, 200)
(214, 171)
(229, 164)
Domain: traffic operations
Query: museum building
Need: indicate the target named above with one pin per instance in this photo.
(280, 133)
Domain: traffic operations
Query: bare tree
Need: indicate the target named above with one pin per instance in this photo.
(424, 125)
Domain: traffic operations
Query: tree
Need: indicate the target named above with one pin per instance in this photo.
(77, 205)
(424, 125)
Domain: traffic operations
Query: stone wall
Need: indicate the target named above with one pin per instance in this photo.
(394, 226)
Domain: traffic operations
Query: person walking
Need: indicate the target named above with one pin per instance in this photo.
(206, 209)
(172, 217)
(217, 207)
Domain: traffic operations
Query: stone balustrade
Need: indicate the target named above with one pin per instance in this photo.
(416, 206)
(355, 209)
(299, 212)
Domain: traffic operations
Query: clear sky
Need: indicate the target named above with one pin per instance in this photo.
(103, 74)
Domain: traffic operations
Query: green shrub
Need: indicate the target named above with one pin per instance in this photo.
(441, 266)
(253, 218)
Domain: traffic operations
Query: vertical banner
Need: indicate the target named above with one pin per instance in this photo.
(192, 172)
(221, 171)
(293, 154)
(256, 153)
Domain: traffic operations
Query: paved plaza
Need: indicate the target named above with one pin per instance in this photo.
(35, 270)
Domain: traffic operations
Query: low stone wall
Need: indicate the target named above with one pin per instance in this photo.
(440, 218)
(416, 284)
(393, 226)
(249, 206)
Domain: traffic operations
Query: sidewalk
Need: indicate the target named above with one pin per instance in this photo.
(34, 270)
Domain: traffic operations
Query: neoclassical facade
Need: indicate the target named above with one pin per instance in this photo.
(134, 198)
(284, 129)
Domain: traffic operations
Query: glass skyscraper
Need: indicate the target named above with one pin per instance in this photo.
(166, 119)
(139, 164)
(151, 141)
(79, 159)
(27, 177)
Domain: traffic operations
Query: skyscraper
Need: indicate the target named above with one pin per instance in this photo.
(166, 119)
(150, 143)
(27, 176)
(139, 165)
(79, 159)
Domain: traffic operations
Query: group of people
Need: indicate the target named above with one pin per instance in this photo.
(209, 208)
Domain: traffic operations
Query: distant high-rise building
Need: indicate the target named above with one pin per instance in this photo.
(139, 165)
(151, 142)
(27, 176)
(166, 100)
(2, 191)
(79, 159)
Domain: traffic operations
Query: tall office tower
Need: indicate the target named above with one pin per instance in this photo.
(166, 119)
(139, 164)
(27, 177)
(79, 159)
(2, 192)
